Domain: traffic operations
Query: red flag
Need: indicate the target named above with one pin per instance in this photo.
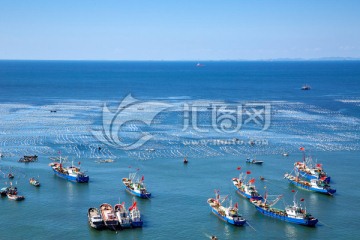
(318, 165)
(236, 205)
(133, 206)
(79, 163)
(142, 178)
(302, 149)
(248, 172)
(238, 168)
(252, 180)
(293, 190)
(302, 199)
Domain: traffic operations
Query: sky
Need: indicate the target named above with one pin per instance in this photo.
(178, 29)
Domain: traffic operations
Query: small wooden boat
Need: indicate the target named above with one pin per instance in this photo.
(11, 176)
(15, 197)
(123, 215)
(253, 161)
(227, 214)
(34, 182)
(95, 219)
(185, 161)
(108, 216)
(135, 215)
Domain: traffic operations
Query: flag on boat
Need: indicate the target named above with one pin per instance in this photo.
(238, 168)
(252, 180)
(318, 165)
(248, 172)
(133, 206)
(302, 149)
(79, 163)
(293, 190)
(302, 199)
(236, 205)
(142, 178)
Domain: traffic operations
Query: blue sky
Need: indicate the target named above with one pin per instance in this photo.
(178, 30)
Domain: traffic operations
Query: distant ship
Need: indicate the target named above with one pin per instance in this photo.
(305, 87)
(200, 65)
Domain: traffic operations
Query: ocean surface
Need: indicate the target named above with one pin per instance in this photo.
(216, 115)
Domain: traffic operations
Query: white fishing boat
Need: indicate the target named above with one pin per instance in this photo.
(122, 215)
(95, 219)
(136, 186)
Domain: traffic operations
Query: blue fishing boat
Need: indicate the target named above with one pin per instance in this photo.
(293, 214)
(314, 185)
(136, 186)
(253, 161)
(309, 170)
(246, 188)
(71, 173)
(135, 216)
(227, 214)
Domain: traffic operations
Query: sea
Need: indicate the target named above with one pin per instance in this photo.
(147, 116)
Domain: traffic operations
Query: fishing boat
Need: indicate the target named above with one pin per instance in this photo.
(315, 185)
(28, 159)
(253, 161)
(95, 219)
(71, 173)
(5, 190)
(227, 214)
(294, 214)
(246, 188)
(108, 216)
(136, 186)
(305, 87)
(34, 182)
(135, 216)
(15, 197)
(122, 215)
(311, 172)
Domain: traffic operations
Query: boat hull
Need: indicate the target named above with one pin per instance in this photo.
(228, 220)
(137, 224)
(71, 178)
(305, 222)
(140, 195)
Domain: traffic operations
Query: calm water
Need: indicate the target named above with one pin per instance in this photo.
(325, 120)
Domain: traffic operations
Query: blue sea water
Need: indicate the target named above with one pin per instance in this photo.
(325, 120)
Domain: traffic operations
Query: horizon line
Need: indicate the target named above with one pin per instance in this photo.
(198, 60)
